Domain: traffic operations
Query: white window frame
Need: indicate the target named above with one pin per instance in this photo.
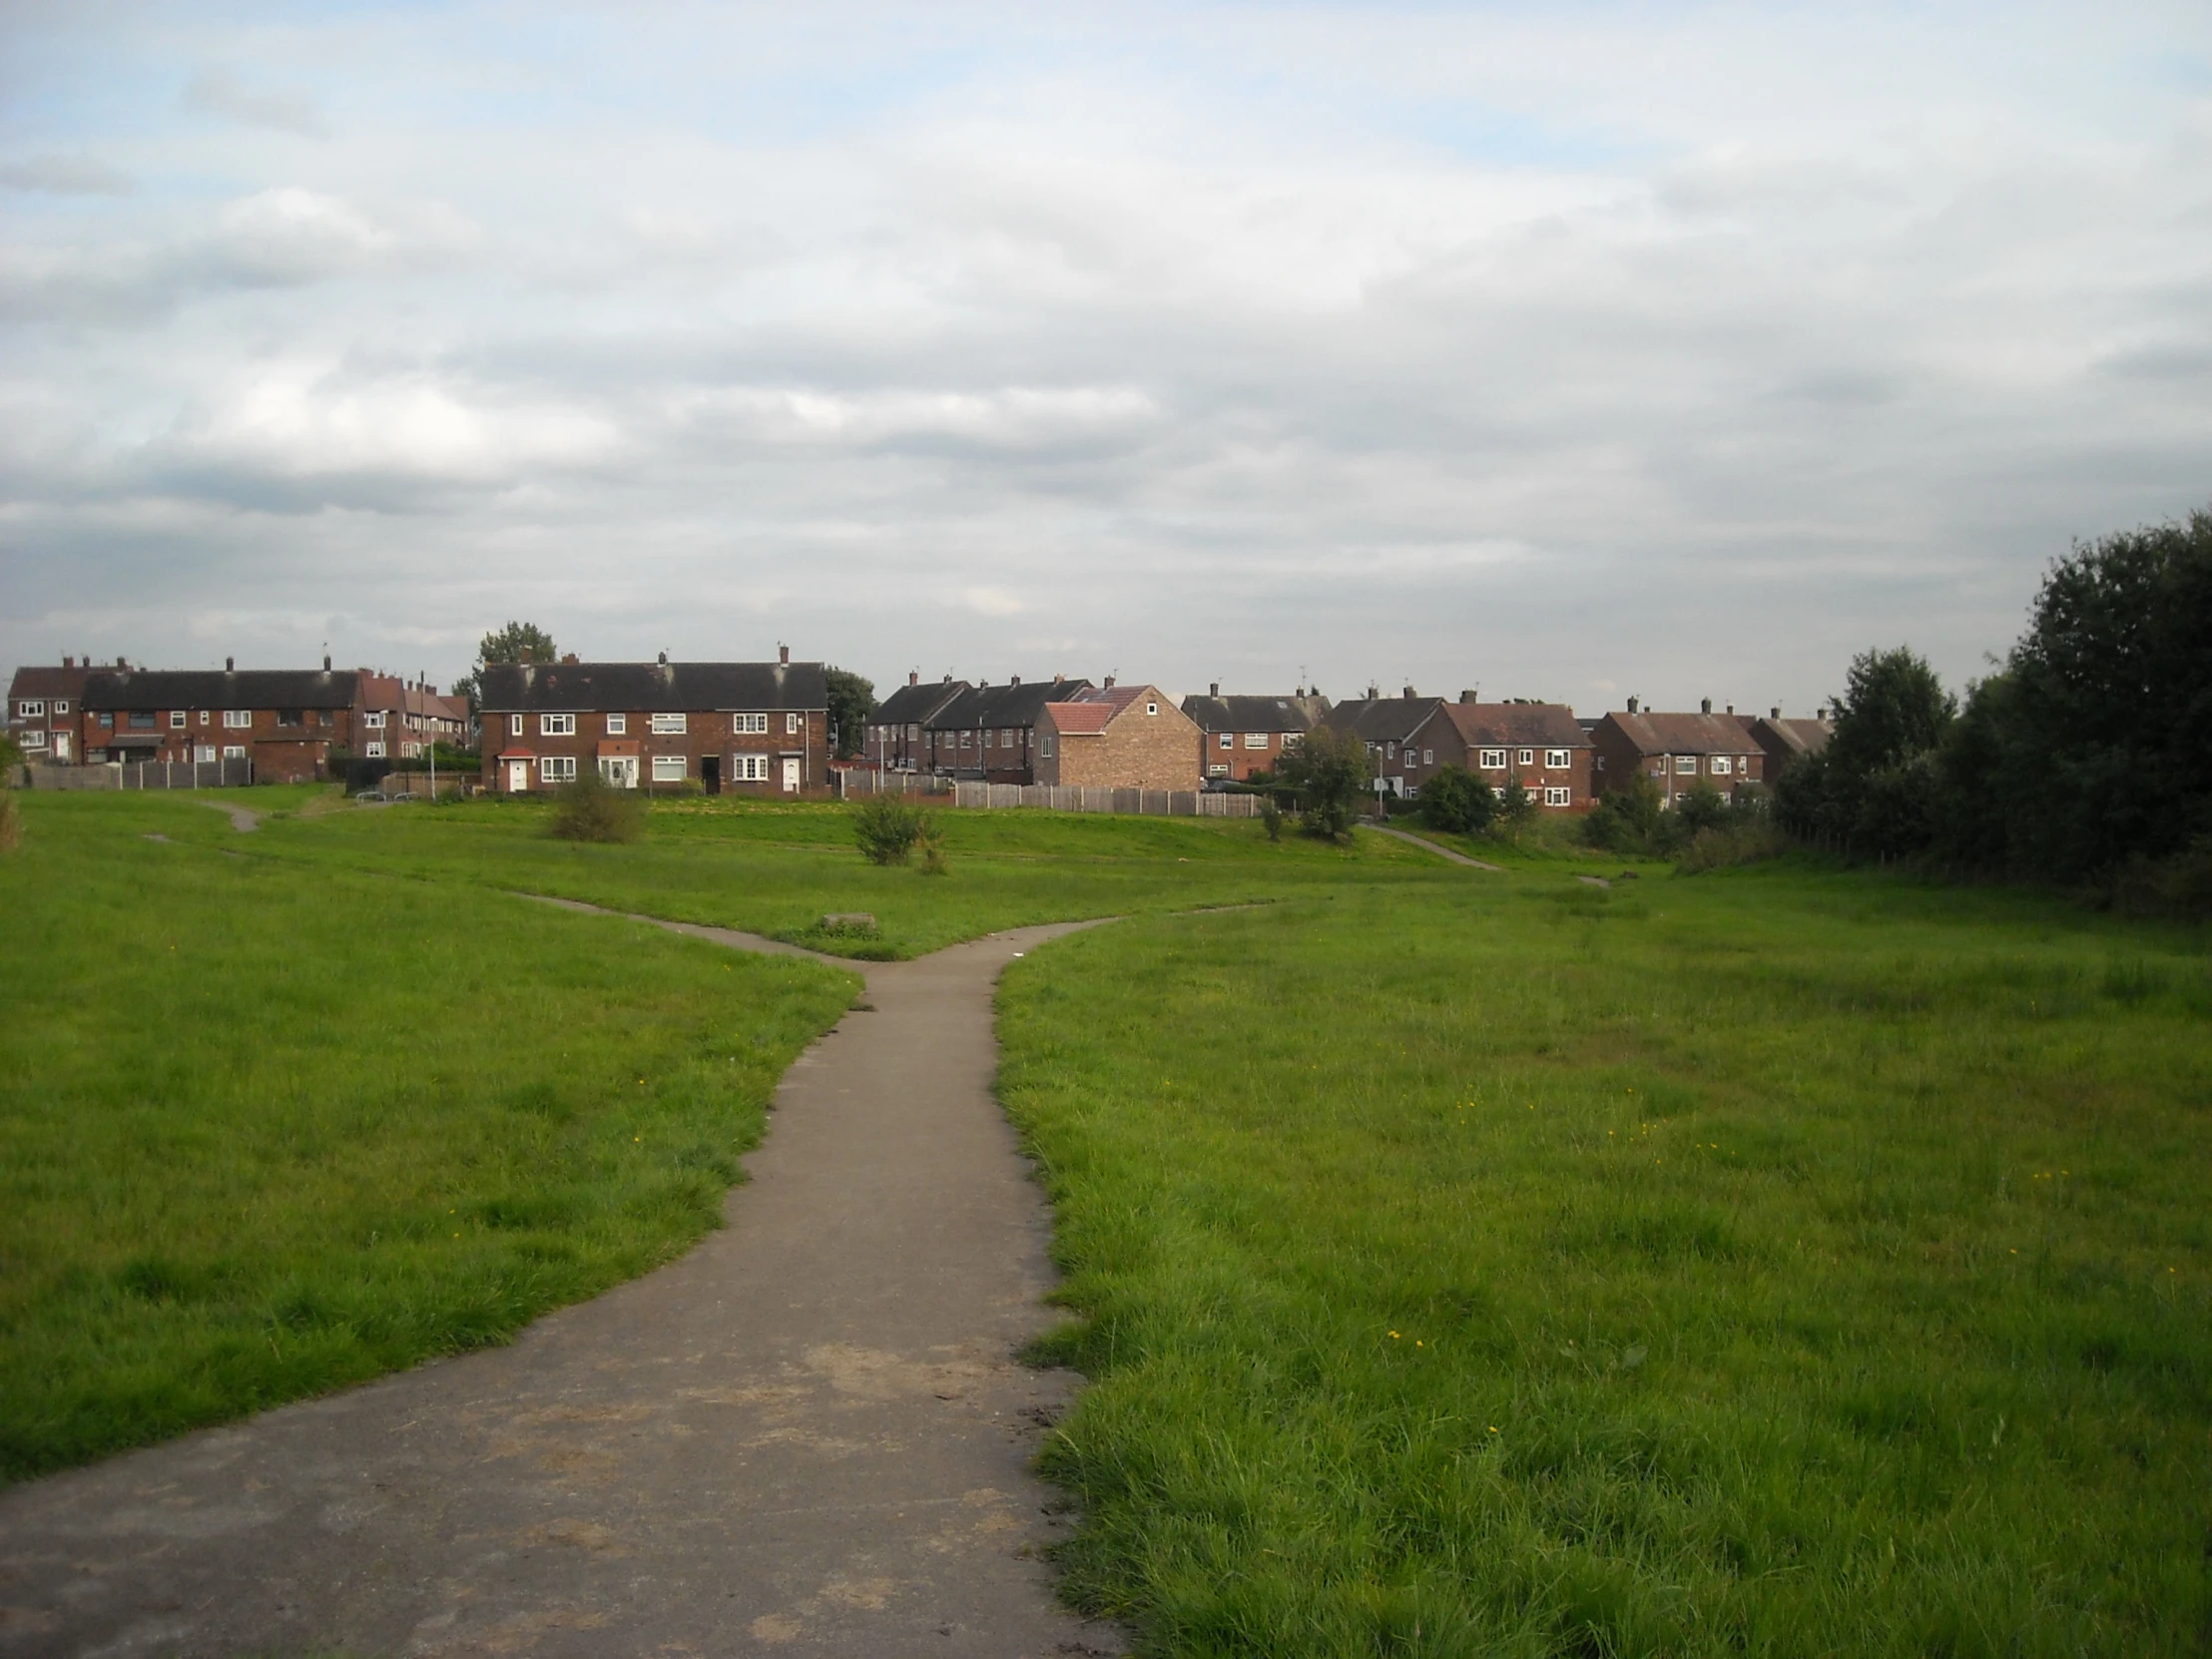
(670, 768)
(1253, 740)
(792, 725)
(238, 720)
(747, 726)
(670, 723)
(175, 720)
(233, 751)
(1217, 769)
(372, 720)
(374, 749)
(1228, 739)
(31, 707)
(1152, 708)
(1428, 756)
(556, 726)
(1490, 760)
(1291, 740)
(1528, 757)
(1723, 766)
(556, 769)
(618, 726)
(202, 752)
(514, 726)
(61, 705)
(748, 768)
(1556, 795)
(1685, 766)
(1558, 758)
(1044, 746)
(35, 738)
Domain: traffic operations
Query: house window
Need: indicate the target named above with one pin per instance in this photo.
(292, 717)
(374, 749)
(1428, 756)
(1152, 708)
(675, 725)
(556, 726)
(35, 739)
(1722, 765)
(205, 751)
(1253, 740)
(61, 704)
(1390, 750)
(1491, 760)
(238, 717)
(964, 736)
(107, 720)
(792, 725)
(742, 724)
(1044, 744)
(990, 739)
(1217, 772)
(557, 768)
(1554, 796)
(32, 710)
(373, 720)
(1290, 739)
(1228, 740)
(233, 751)
(1528, 757)
(514, 726)
(670, 769)
(617, 725)
(748, 768)
(1685, 764)
(142, 719)
(175, 720)
(1558, 757)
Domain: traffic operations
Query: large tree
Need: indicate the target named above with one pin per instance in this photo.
(851, 701)
(1331, 773)
(518, 642)
(1873, 787)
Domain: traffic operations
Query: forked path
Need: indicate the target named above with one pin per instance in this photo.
(808, 1436)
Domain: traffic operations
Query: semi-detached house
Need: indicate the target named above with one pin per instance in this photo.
(895, 737)
(45, 708)
(1680, 753)
(757, 729)
(1242, 735)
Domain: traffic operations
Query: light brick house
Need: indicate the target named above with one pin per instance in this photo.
(894, 739)
(1541, 745)
(1117, 736)
(284, 721)
(990, 732)
(1240, 736)
(46, 712)
(760, 728)
(1678, 751)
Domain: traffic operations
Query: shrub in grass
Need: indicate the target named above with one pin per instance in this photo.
(1723, 844)
(592, 810)
(1270, 818)
(888, 829)
(931, 842)
(1331, 773)
(1457, 800)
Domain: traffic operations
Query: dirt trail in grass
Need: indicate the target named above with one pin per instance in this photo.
(1441, 851)
(242, 818)
(808, 1436)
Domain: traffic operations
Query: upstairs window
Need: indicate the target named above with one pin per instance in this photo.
(1490, 759)
(1228, 740)
(292, 717)
(1558, 757)
(744, 725)
(1428, 756)
(61, 704)
(175, 720)
(556, 726)
(792, 725)
(675, 725)
(373, 720)
(30, 709)
(514, 726)
(1152, 708)
(1722, 765)
(1686, 763)
(1253, 740)
(1528, 757)
(1044, 744)
(618, 724)
(913, 733)
(142, 719)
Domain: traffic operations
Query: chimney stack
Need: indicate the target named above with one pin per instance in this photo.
(1632, 705)
(571, 657)
(1015, 680)
(69, 662)
(1374, 691)
(1705, 705)
(1466, 697)
(1214, 690)
(784, 655)
(230, 664)
(327, 662)
(913, 677)
(1775, 713)
(1409, 694)
(1732, 708)
(1821, 713)
(1109, 681)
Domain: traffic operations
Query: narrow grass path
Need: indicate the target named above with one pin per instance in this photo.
(811, 1435)
(1440, 851)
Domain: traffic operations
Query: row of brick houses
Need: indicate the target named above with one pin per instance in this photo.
(286, 722)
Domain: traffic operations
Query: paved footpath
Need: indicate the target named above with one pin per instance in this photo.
(808, 1436)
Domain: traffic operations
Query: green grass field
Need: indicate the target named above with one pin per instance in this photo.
(1775, 1263)
(1780, 1261)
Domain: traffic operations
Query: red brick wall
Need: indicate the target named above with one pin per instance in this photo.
(706, 735)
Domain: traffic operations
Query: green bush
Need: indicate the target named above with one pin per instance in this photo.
(888, 829)
(1458, 802)
(592, 810)
(931, 842)
(2177, 886)
(1330, 774)
(1721, 845)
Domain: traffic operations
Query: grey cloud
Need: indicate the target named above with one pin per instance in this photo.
(61, 174)
(219, 91)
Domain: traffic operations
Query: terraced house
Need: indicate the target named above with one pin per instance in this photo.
(45, 712)
(752, 728)
(284, 721)
(896, 739)
(402, 719)
(1678, 751)
(1540, 746)
(990, 732)
(1239, 735)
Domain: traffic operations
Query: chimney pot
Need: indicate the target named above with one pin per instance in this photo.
(571, 657)
(1109, 681)
(327, 662)
(1632, 705)
(230, 664)
(1775, 713)
(1409, 694)
(69, 662)
(1015, 680)
(1821, 713)
(1214, 690)
(1732, 708)
(1705, 705)
(664, 659)
(913, 677)
(783, 654)
(1466, 697)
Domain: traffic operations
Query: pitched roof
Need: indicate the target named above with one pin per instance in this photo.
(252, 688)
(1660, 734)
(388, 691)
(1073, 720)
(1799, 737)
(1382, 719)
(526, 688)
(37, 680)
(912, 704)
(1532, 724)
(1009, 705)
(1256, 714)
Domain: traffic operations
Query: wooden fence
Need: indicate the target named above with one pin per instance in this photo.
(857, 784)
(142, 774)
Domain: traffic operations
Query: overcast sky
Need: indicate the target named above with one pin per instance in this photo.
(1564, 351)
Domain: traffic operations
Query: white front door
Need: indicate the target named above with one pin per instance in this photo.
(518, 777)
(61, 746)
(791, 776)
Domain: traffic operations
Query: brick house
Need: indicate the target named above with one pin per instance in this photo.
(286, 721)
(1117, 736)
(757, 729)
(893, 740)
(1541, 743)
(46, 711)
(1784, 741)
(1387, 723)
(399, 720)
(1679, 752)
(990, 732)
(1239, 735)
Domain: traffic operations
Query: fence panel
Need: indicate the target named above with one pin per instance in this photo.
(858, 784)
